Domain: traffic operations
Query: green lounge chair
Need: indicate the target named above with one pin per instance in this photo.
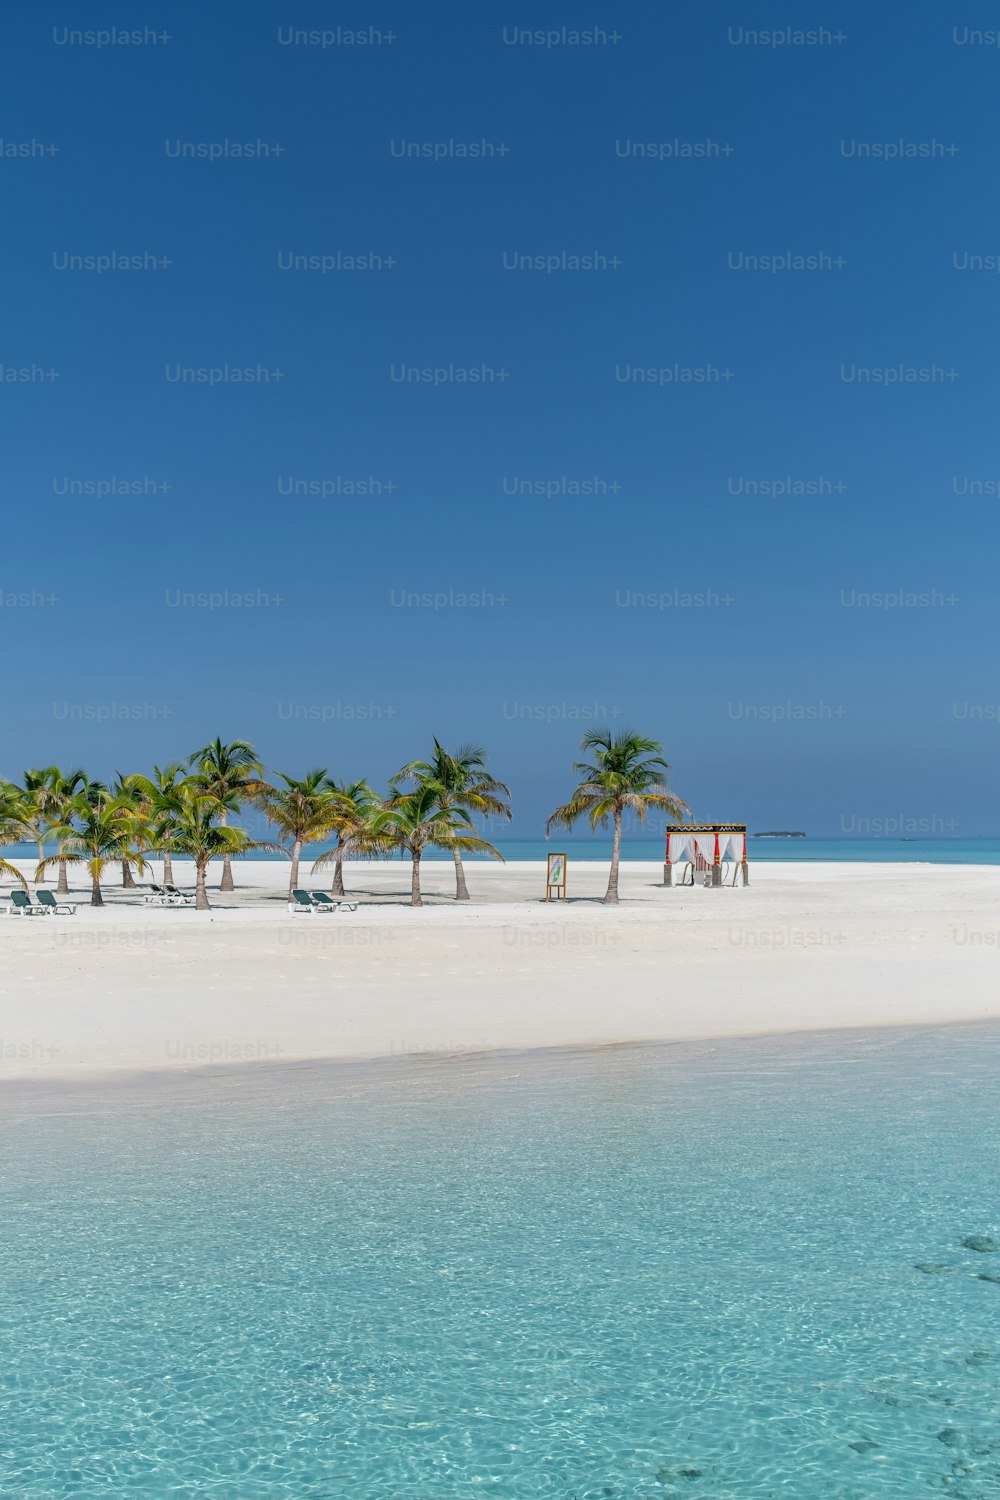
(22, 903)
(302, 901)
(156, 896)
(328, 903)
(184, 897)
(48, 902)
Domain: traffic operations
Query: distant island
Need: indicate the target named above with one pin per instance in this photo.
(781, 834)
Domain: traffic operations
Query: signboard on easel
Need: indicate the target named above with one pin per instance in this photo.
(555, 877)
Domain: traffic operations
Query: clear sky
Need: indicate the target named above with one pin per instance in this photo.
(672, 149)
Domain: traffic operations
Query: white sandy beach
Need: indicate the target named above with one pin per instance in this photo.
(129, 988)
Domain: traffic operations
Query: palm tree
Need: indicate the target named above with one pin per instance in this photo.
(351, 807)
(96, 832)
(628, 774)
(231, 773)
(12, 827)
(464, 782)
(61, 787)
(200, 834)
(124, 792)
(301, 810)
(158, 802)
(416, 821)
(34, 790)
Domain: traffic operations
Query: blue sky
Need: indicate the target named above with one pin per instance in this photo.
(783, 694)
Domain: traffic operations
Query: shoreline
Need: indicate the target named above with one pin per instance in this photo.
(126, 990)
(365, 1071)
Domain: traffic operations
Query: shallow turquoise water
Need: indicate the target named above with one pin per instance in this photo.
(938, 851)
(635, 1273)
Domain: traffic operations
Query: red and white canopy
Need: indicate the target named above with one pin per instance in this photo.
(715, 843)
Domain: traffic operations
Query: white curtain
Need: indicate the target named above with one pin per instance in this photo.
(679, 843)
(684, 845)
(705, 844)
(731, 846)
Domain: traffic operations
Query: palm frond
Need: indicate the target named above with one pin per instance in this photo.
(6, 868)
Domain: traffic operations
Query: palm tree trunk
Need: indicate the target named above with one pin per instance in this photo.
(338, 874)
(96, 899)
(41, 856)
(293, 878)
(611, 895)
(200, 893)
(168, 867)
(461, 889)
(62, 887)
(227, 883)
(127, 881)
(415, 898)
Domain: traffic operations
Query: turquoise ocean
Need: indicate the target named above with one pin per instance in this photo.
(765, 1268)
(938, 851)
(941, 851)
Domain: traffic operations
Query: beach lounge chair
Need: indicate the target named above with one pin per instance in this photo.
(184, 897)
(22, 903)
(48, 902)
(306, 901)
(157, 896)
(310, 896)
(330, 903)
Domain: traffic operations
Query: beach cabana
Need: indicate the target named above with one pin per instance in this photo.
(706, 849)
